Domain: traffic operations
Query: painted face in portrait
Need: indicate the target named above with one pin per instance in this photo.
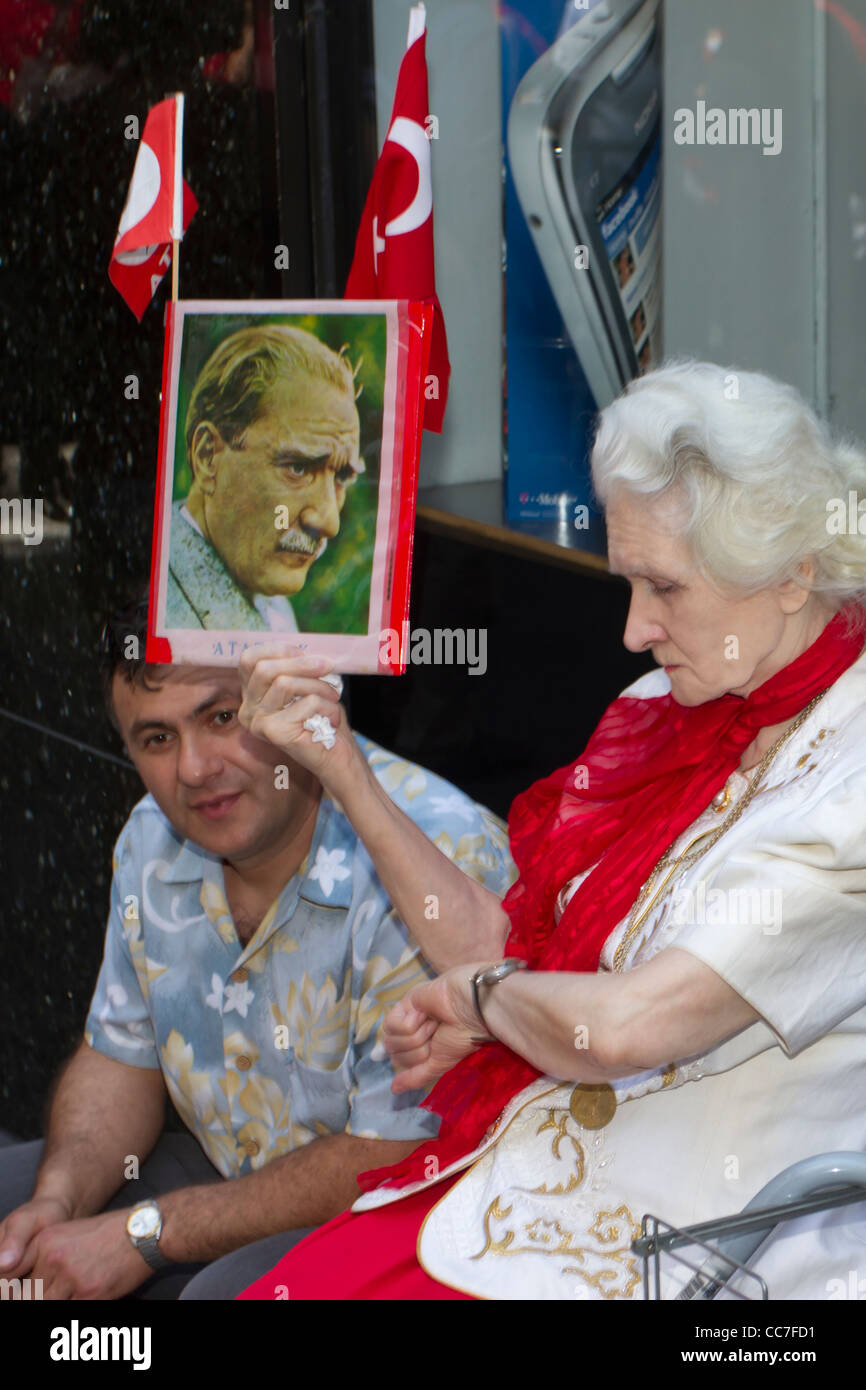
(270, 502)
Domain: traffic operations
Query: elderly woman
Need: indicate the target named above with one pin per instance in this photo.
(669, 1006)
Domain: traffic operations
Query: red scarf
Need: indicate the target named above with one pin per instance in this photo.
(651, 767)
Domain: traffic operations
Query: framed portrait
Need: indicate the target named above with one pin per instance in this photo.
(287, 476)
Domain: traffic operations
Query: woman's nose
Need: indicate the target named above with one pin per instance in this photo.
(642, 629)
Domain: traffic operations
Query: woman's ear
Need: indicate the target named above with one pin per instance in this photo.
(794, 593)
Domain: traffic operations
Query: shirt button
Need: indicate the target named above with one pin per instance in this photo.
(243, 1063)
(251, 1147)
(240, 975)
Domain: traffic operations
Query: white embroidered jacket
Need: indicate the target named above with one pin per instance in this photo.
(776, 904)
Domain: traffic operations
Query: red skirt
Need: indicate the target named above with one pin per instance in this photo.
(360, 1255)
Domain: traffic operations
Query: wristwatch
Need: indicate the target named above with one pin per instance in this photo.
(493, 975)
(144, 1228)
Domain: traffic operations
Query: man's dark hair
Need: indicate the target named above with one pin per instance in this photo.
(121, 648)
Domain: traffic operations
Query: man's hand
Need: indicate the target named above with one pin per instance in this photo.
(432, 1028)
(282, 689)
(21, 1227)
(90, 1259)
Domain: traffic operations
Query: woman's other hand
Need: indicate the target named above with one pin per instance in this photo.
(433, 1028)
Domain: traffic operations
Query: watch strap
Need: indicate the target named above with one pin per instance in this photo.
(148, 1249)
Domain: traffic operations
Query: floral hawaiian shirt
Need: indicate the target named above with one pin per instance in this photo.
(266, 1046)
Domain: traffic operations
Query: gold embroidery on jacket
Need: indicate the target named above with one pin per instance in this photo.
(561, 1132)
(618, 1276)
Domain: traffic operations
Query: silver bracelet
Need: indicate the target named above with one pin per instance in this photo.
(493, 975)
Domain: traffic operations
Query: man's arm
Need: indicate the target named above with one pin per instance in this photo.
(103, 1111)
(95, 1259)
(92, 1257)
(304, 1188)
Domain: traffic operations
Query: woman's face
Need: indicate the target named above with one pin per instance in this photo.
(709, 644)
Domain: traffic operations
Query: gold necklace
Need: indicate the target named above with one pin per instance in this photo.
(641, 907)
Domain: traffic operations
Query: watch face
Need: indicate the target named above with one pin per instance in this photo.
(143, 1222)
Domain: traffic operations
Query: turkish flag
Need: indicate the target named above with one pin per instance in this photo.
(142, 249)
(394, 250)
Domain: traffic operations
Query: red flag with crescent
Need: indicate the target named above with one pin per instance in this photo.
(142, 250)
(394, 250)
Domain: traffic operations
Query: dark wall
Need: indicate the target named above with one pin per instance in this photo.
(69, 343)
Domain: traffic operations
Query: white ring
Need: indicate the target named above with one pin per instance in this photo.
(333, 679)
(322, 729)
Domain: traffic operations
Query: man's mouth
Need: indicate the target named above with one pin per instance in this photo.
(217, 806)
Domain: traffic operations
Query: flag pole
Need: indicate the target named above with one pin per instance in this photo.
(177, 198)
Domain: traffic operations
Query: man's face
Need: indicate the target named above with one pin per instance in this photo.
(710, 643)
(212, 778)
(270, 504)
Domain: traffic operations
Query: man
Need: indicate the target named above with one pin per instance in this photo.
(250, 956)
(273, 444)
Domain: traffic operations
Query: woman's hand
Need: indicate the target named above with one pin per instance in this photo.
(283, 689)
(432, 1028)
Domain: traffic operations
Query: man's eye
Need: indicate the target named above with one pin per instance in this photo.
(345, 474)
(226, 715)
(660, 589)
(296, 469)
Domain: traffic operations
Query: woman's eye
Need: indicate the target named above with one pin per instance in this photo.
(660, 589)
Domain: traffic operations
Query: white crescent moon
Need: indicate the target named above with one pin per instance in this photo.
(413, 139)
(143, 191)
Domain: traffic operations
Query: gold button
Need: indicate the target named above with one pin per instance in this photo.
(251, 1147)
(240, 975)
(243, 1063)
(593, 1106)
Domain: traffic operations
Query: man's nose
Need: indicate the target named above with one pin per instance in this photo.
(642, 629)
(197, 761)
(320, 512)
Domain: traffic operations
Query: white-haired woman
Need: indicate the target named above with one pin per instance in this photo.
(691, 903)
